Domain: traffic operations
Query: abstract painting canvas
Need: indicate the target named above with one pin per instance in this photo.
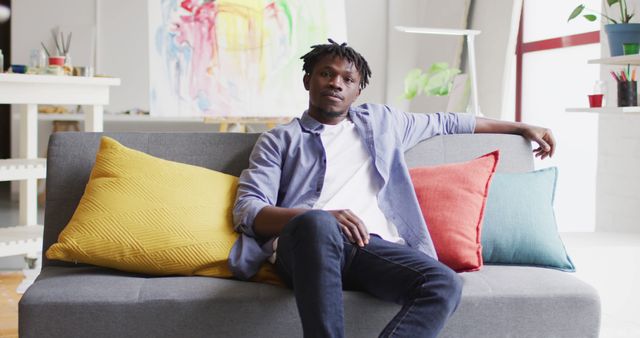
(235, 58)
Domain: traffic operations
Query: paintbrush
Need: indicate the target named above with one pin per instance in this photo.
(55, 39)
(68, 42)
(45, 49)
(64, 48)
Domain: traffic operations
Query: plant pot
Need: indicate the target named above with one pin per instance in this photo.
(617, 34)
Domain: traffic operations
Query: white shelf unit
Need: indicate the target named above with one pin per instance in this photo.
(18, 169)
(20, 240)
(25, 92)
(622, 60)
(606, 110)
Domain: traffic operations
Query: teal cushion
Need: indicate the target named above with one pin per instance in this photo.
(519, 223)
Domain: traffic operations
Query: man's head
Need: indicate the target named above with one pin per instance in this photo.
(335, 74)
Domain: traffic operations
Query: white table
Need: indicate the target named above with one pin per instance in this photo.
(25, 92)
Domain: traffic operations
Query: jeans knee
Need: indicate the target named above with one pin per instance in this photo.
(316, 226)
(451, 288)
(455, 289)
(444, 286)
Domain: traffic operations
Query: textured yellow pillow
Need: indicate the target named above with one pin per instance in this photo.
(143, 214)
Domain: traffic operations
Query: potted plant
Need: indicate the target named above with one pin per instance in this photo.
(619, 30)
(436, 81)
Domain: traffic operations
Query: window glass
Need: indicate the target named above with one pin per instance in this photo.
(546, 19)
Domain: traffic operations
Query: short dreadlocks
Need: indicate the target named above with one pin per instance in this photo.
(340, 50)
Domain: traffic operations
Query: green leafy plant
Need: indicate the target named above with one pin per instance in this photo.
(625, 17)
(436, 81)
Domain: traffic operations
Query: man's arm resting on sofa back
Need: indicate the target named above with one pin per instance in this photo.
(542, 136)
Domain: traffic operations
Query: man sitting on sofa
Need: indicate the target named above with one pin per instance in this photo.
(328, 199)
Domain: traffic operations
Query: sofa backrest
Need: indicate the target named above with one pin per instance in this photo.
(71, 157)
(515, 151)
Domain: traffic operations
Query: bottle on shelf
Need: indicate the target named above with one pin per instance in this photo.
(68, 66)
(600, 88)
(37, 61)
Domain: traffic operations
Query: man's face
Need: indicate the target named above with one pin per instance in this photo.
(333, 86)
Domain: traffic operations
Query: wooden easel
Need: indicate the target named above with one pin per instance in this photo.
(224, 122)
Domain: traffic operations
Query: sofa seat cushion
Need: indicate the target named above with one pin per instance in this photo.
(520, 301)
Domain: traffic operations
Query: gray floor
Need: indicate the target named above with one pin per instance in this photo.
(9, 214)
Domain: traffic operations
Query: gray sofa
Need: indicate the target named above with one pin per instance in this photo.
(70, 300)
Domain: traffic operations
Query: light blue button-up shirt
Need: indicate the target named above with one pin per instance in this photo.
(288, 163)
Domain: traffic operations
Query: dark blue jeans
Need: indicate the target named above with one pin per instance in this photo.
(317, 261)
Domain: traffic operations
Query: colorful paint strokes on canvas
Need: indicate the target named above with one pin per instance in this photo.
(235, 57)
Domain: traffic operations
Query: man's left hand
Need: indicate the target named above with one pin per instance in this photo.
(543, 137)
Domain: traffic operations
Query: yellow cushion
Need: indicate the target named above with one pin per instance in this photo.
(143, 214)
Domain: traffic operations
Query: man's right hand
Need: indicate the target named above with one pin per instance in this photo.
(352, 226)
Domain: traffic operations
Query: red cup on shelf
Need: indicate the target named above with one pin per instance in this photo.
(56, 61)
(595, 100)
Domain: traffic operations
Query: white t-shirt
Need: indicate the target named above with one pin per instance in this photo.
(349, 181)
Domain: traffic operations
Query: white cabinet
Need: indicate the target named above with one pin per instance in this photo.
(25, 92)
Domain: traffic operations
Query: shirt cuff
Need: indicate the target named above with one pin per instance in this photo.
(466, 123)
(245, 215)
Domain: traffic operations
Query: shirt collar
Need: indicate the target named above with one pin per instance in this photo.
(312, 125)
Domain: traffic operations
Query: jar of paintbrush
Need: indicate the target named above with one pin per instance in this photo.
(60, 63)
(627, 87)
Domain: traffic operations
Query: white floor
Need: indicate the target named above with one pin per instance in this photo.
(610, 262)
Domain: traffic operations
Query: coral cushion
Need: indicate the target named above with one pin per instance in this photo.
(452, 198)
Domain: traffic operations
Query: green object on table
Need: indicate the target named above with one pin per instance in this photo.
(631, 48)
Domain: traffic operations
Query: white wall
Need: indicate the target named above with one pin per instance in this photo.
(122, 48)
(554, 80)
(495, 54)
(31, 24)
(618, 175)
(121, 28)
(123, 51)
(546, 95)
(32, 21)
(121, 36)
(367, 33)
(618, 184)
(407, 51)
